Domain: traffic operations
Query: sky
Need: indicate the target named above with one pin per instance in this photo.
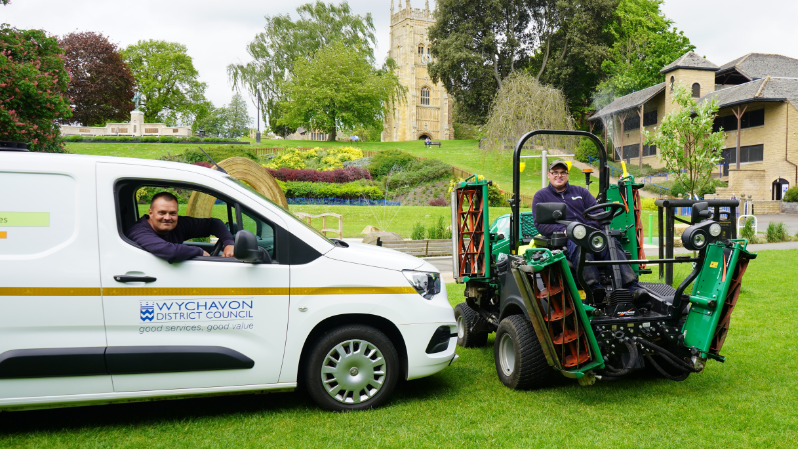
(217, 33)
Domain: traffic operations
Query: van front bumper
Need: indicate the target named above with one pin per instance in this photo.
(419, 338)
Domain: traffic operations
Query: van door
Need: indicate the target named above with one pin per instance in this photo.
(52, 335)
(203, 322)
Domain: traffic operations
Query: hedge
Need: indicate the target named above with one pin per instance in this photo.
(338, 176)
(419, 172)
(302, 189)
(162, 139)
(384, 161)
(220, 153)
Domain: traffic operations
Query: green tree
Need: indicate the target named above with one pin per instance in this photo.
(685, 141)
(645, 42)
(210, 119)
(167, 80)
(238, 117)
(284, 42)
(339, 88)
(33, 86)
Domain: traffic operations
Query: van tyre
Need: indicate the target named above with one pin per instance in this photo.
(466, 318)
(352, 367)
(519, 358)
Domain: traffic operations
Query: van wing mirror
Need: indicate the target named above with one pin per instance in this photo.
(700, 212)
(549, 213)
(246, 249)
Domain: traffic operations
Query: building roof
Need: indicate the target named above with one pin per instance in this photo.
(765, 89)
(690, 60)
(759, 65)
(630, 101)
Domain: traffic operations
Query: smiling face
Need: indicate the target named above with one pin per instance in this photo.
(163, 215)
(558, 177)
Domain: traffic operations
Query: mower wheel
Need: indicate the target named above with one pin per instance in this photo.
(520, 362)
(466, 317)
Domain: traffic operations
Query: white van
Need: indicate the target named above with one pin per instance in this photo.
(88, 317)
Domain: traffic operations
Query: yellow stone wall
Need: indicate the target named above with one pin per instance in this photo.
(633, 136)
(410, 120)
(687, 77)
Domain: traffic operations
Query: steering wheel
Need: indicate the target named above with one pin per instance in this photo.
(217, 248)
(606, 215)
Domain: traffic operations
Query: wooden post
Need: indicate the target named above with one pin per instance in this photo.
(640, 161)
(622, 119)
(739, 116)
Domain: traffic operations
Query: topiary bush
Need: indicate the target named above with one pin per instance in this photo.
(791, 195)
(339, 176)
(384, 161)
(586, 148)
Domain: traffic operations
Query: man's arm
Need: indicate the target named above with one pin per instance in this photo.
(171, 252)
(545, 229)
(205, 227)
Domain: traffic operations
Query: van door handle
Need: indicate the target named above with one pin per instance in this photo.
(125, 278)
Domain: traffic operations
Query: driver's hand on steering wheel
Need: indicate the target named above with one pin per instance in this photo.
(228, 251)
(205, 254)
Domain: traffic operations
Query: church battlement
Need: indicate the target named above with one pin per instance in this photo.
(409, 12)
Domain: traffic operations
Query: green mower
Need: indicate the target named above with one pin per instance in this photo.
(520, 285)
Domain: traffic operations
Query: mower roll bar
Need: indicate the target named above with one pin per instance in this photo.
(604, 175)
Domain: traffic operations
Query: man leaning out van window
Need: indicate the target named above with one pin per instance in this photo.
(162, 232)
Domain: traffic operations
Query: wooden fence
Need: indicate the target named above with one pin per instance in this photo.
(421, 248)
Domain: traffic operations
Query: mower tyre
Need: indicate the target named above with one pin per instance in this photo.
(466, 318)
(519, 358)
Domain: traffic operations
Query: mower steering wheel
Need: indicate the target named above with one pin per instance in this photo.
(217, 248)
(606, 215)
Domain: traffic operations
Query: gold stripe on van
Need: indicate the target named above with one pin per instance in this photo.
(199, 291)
(49, 291)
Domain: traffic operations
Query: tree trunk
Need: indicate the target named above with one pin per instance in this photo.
(332, 135)
(545, 59)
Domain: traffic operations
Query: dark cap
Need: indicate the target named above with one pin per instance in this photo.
(558, 162)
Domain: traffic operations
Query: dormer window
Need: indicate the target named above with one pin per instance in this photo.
(696, 90)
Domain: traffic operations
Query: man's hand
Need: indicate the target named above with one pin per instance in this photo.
(228, 251)
(205, 253)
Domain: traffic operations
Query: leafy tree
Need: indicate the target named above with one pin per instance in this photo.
(284, 42)
(685, 141)
(524, 104)
(167, 80)
(478, 44)
(238, 117)
(210, 119)
(33, 85)
(645, 42)
(101, 87)
(339, 88)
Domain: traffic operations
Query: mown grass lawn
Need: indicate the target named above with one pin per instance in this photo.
(749, 401)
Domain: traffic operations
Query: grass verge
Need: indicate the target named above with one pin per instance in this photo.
(749, 401)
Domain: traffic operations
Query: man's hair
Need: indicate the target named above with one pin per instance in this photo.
(165, 195)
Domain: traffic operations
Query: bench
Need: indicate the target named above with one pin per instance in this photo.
(324, 229)
(433, 143)
(421, 248)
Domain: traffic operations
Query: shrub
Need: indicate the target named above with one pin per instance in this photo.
(301, 189)
(438, 202)
(220, 153)
(194, 139)
(748, 232)
(495, 195)
(73, 138)
(167, 139)
(465, 131)
(339, 176)
(586, 148)
(418, 172)
(144, 195)
(418, 232)
(384, 161)
(149, 139)
(647, 204)
(203, 164)
(323, 159)
(98, 138)
(777, 232)
(791, 196)
(438, 230)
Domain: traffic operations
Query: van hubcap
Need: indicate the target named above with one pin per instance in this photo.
(353, 371)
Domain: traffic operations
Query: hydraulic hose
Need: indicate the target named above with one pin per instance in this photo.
(668, 356)
(614, 373)
(664, 374)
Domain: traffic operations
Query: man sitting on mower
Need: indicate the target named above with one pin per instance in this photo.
(577, 199)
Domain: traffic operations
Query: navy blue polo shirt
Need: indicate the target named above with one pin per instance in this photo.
(576, 200)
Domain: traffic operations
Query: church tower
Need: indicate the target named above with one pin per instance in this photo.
(427, 109)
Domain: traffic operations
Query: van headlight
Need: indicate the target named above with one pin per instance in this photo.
(426, 284)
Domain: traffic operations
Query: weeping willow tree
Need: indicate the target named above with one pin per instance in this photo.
(522, 105)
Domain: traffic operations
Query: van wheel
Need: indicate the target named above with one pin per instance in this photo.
(353, 367)
(466, 317)
(519, 358)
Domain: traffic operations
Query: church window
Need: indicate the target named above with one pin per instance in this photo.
(696, 90)
(425, 96)
(420, 49)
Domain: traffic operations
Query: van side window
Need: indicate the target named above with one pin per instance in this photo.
(262, 230)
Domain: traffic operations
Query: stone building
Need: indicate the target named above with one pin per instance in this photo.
(135, 128)
(427, 109)
(757, 95)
